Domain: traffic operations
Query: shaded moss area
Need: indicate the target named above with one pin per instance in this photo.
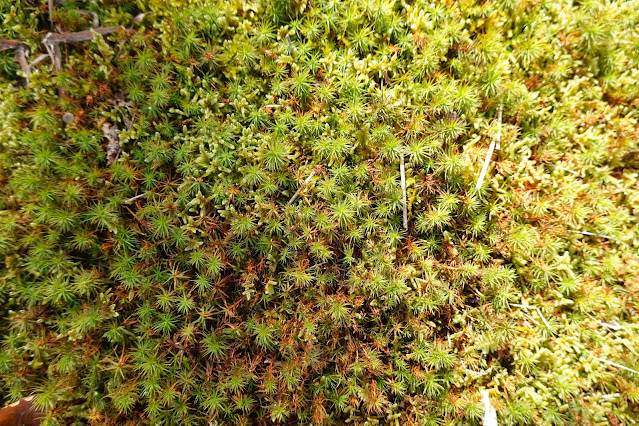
(201, 211)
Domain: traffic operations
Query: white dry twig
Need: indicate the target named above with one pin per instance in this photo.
(34, 63)
(593, 234)
(139, 17)
(490, 414)
(495, 143)
(610, 396)
(543, 318)
(612, 326)
(53, 51)
(614, 364)
(530, 318)
(479, 373)
(570, 171)
(135, 198)
(297, 193)
(517, 305)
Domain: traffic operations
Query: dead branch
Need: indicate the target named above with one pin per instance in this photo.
(299, 191)
(9, 44)
(22, 51)
(85, 35)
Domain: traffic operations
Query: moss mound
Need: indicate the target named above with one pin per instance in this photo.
(320, 212)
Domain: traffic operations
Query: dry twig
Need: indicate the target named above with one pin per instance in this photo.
(614, 364)
(489, 154)
(85, 35)
(21, 52)
(297, 193)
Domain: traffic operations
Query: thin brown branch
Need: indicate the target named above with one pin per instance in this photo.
(9, 44)
(85, 35)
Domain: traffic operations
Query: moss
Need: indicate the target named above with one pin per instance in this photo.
(235, 252)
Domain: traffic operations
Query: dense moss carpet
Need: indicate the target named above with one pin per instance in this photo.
(320, 211)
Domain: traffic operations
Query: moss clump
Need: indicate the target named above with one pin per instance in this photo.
(201, 215)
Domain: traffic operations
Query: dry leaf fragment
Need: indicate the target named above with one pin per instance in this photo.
(22, 412)
(113, 148)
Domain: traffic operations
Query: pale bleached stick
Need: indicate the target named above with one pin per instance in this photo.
(402, 172)
(37, 60)
(479, 373)
(530, 318)
(610, 396)
(297, 193)
(491, 148)
(615, 327)
(490, 414)
(543, 318)
(592, 234)
(517, 305)
(614, 364)
(135, 198)
(34, 63)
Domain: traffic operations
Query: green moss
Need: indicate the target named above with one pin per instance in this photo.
(244, 258)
